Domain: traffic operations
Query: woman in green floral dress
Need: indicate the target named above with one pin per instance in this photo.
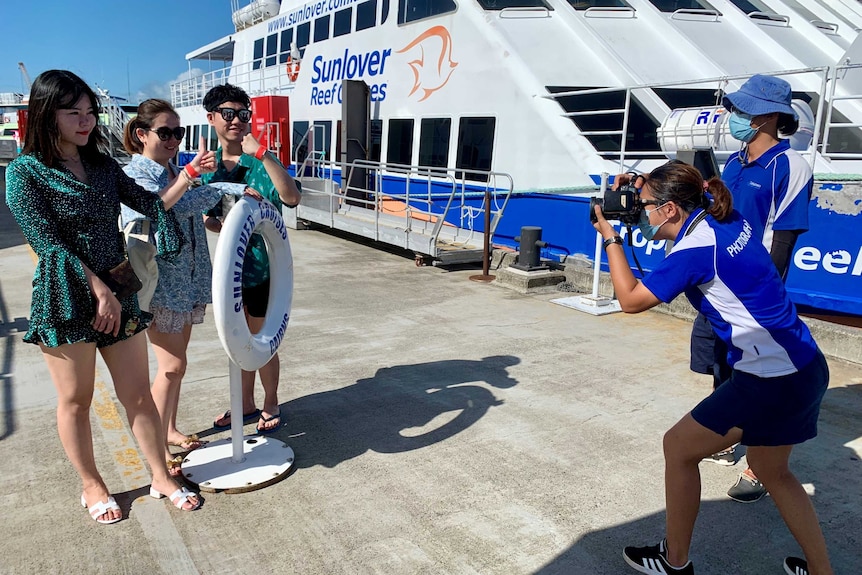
(66, 196)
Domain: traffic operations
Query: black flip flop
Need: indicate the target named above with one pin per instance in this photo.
(268, 419)
(246, 418)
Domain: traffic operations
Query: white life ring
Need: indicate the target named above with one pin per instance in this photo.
(247, 350)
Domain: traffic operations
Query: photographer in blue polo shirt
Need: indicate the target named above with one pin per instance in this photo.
(771, 400)
(771, 186)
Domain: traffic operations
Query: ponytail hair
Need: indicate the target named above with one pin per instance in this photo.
(720, 204)
(787, 125)
(147, 112)
(683, 185)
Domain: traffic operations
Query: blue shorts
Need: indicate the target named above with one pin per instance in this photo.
(708, 352)
(770, 410)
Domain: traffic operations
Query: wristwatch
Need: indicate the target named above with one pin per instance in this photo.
(613, 240)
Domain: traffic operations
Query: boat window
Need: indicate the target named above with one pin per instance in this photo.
(271, 49)
(321, 29)
(384, 12)
(749, 6)
(258, 53)
(303, 37)
(323, 138)
(434, 135)
(605, 117)
(342, 22)
(196, 134)
(500, 4)
(674, 5)
(213, 145)
(687, 97)
(399, 149)
(286, 39)
(584, 4)
(189, 139)
(475, 147)
(366, 15)
(412, 10)
(300, 145)
(338, 150)
(842, 139)
(375, 136)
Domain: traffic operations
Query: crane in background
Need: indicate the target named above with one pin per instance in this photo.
(24, 75)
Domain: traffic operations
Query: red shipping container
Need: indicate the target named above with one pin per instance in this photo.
(270, 124)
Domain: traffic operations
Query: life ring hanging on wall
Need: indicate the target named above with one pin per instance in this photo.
(247, 350)
(293, 68)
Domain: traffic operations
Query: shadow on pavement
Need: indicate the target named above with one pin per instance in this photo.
(9, 330)
(10, 232)
(401, 408)
(752, 539)
(10, 236)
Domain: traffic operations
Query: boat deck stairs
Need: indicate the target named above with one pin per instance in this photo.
(440, 218)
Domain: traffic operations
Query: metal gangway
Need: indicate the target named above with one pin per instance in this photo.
(437, 213)
(113, 124)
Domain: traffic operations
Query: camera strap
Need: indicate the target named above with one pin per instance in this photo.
(699, 218)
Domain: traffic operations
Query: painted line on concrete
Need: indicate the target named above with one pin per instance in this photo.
(166, 543)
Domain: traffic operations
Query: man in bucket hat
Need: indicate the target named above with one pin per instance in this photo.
(771, 186)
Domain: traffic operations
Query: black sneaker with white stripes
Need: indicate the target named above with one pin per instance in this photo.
(795, 566)
(653, 560)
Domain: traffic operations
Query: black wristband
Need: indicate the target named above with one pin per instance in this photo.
(613, 240)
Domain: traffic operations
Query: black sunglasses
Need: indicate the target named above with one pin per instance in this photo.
(164, 133)
(228, 114)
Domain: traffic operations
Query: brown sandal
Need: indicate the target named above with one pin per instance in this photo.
(190, 443)
(175, 466)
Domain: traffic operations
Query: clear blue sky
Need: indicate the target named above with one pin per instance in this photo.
(130, 48)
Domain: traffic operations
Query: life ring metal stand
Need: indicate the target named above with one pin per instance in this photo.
(246, 463)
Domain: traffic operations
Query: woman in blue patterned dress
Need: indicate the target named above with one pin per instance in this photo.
(66, 196)
(183, 289)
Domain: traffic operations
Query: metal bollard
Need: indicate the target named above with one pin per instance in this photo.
(530, 241)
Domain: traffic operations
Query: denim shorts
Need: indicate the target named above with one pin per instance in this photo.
(770, 411)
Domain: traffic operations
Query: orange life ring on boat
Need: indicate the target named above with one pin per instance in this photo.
(292, 69)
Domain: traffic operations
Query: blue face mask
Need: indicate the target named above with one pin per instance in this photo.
(740, 127)
(648, 231)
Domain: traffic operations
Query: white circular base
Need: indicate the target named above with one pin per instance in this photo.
(212, 468)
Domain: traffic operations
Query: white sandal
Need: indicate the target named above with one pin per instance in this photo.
(178, 498)
(100, 508)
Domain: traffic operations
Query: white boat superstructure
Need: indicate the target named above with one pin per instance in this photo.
(403, 113)
(529, 66)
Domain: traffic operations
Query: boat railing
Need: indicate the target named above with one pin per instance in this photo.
(254, 77)
(840, 72)
(437, 193)
(833, 83)
(114, 124)
(450, 199)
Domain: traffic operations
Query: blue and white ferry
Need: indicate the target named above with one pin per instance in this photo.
(399, 115)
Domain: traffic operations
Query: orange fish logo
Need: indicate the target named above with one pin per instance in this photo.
(433, 74)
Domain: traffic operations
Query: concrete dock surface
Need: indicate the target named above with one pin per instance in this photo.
(441, 426)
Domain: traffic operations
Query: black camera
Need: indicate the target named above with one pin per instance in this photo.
(622, 204)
